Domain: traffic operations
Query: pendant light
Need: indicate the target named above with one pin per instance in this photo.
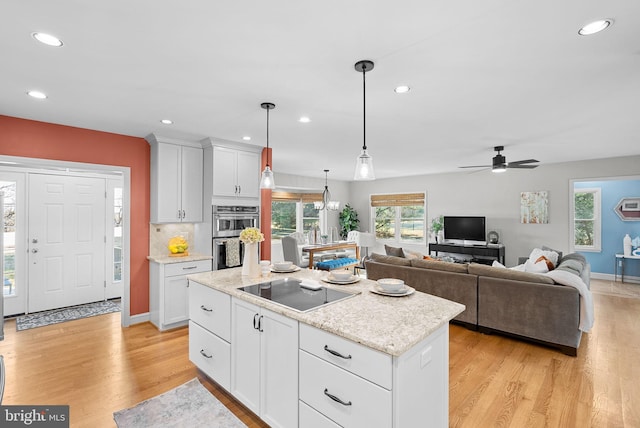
(267, 182)
(326, 203)
(364, 163)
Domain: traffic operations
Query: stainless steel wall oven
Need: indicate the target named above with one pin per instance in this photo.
(228, 222)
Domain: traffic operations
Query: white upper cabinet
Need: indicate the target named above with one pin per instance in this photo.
(235, 173)
(176, 181)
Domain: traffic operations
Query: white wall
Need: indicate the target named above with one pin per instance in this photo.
(497, 197)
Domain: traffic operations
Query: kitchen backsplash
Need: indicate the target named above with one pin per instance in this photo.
(159, 235)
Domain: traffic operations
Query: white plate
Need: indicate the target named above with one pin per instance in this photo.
(405, 292)
(351, 280)
(294, 269)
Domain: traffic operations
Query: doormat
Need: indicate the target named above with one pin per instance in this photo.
(189, 405)
(55, 316)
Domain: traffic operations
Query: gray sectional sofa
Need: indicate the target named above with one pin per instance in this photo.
(525, 305)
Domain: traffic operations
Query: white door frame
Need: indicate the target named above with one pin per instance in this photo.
(20, 164)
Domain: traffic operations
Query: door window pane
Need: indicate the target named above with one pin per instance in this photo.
(9, 254)
(117, 233)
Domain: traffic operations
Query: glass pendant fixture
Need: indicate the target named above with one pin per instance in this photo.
(267, 182)
(326, 203)
(364, 163)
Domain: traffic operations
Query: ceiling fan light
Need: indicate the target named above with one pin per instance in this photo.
(364, 167)
(498, 169)
(267, 181)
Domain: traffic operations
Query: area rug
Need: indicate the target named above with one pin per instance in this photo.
(40, 319)
(189, 405)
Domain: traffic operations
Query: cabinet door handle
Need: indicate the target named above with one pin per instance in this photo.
(336, 399)
(184, 215)
(256, 321)
(204, 308)
(179, 214)
(336, 353)
(239, 189)
(260, 324)
(204, 354)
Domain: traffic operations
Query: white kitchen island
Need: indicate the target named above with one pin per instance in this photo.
(365, 361)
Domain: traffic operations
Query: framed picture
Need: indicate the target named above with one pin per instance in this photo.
(534, 207)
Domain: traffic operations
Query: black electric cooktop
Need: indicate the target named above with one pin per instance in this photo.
(289, 292)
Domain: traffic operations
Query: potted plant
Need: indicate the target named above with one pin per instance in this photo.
(348, 221)
(437, 226)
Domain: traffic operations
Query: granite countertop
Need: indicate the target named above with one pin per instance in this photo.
(168, 259)
(392, 325)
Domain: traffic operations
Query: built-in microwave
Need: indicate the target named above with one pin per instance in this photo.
(230, 220)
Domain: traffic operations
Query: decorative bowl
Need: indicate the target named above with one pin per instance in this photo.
(283, 265)
(391, 284)
(341, 275)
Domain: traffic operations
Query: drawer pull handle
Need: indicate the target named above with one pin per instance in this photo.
(336, 353)
(189, 267)
(204, 354)
(336, 399)
(204, 308)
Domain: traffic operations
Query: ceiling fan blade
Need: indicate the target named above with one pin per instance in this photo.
(475, 166)
(521, 166)
(520, 162)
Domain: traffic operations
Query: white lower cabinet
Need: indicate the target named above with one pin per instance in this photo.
(310, 418)
(264, 363)
(209, 332)
(211, 354)
(168, 296)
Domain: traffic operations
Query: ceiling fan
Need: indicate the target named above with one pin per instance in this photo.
(500, 164)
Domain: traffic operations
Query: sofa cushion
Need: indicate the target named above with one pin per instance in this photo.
(436, 265)
(495, 272)
(393, 251)
(575, 266)
(390, 260)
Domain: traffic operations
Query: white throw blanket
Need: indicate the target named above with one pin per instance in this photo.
(586, 300)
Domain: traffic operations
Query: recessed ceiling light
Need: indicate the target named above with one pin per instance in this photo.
(304, 119)
(403, 89)
(595, 27)
(167, 121)
(246, 138)
(47, 39)
(37, 94)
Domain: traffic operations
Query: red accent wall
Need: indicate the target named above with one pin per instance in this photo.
(27, 138)
(265, 210)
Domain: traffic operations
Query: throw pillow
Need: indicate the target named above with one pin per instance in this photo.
(536, 253)
(536, 267)
(545, 248)
(393, 251)
(412, 254)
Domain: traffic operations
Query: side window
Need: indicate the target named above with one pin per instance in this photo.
(586, 219)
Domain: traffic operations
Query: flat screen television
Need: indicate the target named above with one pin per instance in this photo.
(465, 229)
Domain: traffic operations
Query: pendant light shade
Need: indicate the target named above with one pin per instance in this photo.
(364, 163)
(267, 181)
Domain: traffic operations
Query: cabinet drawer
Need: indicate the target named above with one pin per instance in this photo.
(186, 268)
(372, 365)
(211, 309)
(310, 418)
(363, 404)
(210, 354)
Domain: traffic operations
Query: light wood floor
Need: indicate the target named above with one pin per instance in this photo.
(97, 368)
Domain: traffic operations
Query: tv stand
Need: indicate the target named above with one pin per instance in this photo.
(495, 252)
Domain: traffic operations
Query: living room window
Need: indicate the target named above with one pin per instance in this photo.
(293, 212)
(586, 213)
(399, 217)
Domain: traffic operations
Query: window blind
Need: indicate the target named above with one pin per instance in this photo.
(397, 200)
(296, 197)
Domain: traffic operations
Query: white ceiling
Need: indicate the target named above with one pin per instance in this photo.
(482, 73)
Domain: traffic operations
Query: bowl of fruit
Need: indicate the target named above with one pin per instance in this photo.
(178, 246)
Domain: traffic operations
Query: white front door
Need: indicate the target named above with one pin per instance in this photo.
(66, 241)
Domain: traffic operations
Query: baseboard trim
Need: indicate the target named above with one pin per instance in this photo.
(139, 318)
(612, 277)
